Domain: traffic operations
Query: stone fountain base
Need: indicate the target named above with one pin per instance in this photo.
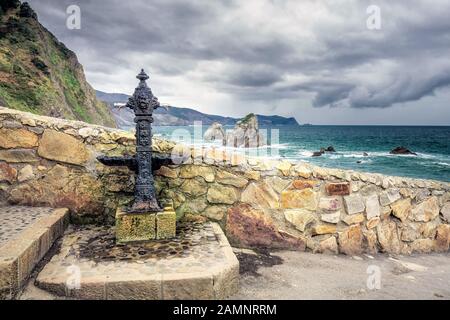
(198, 263)
(145, 226)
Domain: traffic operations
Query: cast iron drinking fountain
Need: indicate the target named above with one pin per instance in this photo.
(145, 219)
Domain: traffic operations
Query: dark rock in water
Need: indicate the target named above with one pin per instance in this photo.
(365, 154)
(359, 161)
(328, 149)
(402, 150)
(317, 154)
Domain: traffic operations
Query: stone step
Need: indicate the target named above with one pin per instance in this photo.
(197, 264)
(26, 235)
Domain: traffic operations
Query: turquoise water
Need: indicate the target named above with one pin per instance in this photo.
(432, 144)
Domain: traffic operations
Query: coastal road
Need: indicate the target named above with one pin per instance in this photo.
(302, 275)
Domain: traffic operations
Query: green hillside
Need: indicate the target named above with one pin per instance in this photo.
(39, 74)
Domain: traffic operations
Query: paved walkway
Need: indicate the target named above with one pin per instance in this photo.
(302, 275)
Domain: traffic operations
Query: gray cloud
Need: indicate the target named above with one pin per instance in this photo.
(221, 53)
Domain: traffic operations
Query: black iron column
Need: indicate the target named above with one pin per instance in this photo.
(143, 103)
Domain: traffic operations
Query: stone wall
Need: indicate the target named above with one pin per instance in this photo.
(259, 203)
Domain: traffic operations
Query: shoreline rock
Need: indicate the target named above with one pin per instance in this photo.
(402, 151)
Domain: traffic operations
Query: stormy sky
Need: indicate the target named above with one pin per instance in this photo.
(315, 60)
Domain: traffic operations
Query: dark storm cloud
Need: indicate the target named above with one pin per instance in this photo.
(264, 51)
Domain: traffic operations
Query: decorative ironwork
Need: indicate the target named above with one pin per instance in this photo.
(143, 103)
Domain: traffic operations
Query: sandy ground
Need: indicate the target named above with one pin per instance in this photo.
(300, 275)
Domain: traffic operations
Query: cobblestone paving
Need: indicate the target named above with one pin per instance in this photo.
(15, 219)
(94, 251)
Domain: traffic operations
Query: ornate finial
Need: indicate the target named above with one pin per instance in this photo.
(142, 76)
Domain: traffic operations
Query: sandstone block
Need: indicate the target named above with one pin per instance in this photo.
(443, 238)
(330, 204)
(26, 173)
(372, 223)
(191, 171)
(167, 172)
(194, 187)
(62, 147)
(354, 204)
(278, 184)
(250, 227)
(446, 211)
(372, 206)
(299, 199)
(301, 219)
(354, 219)
(331, 217)
(401, 209)
(388, 237)
(350, 240)
(7, 173)
(215, 212)
(228, 178)
(329, 246)
(389, 196)
(260, 195)
(18, 156)
(304, 184)
(324, 229)
(220, 194)
(17, 138)
(426, 210)
(338, 189)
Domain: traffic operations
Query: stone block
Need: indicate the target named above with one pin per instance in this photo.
(62, 147)
(372, 206)
(166, 223)
(401, 209)
(220, 194)
(354, 219)
(304, 199)
(350, 241)
(17, 138)
(331, 217)
(389, 196)
(187, 286)
(426, 210)
(148, 289)
(299, 218)
(260, 195)
(354, 204)
(338, 189)
(330, 204)
(135, 227)
(324, 229)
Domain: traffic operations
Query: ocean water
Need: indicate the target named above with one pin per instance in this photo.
(432, 145)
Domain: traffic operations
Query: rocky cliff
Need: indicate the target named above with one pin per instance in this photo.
(39, 74)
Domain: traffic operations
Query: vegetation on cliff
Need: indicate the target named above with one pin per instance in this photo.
(41, 75)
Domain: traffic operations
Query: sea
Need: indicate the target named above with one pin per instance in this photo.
(297, 143)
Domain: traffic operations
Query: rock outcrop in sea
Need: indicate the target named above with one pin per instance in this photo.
(215, 133)
(246, 133)
(402, 150)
